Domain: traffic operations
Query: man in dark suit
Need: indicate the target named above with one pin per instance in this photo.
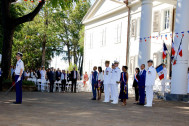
(51, 79)
(74, 76)
(141, 84)
(58, 75)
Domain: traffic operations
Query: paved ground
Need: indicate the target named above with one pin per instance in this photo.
(66, 109)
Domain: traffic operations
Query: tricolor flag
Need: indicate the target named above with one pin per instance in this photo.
(161, 36)
(182, 34)
(159, 70)
(164, 51)
(140, 39)
(156, 37)
(166, 37)
(176, 35)
(180, 50)
(171, 35)
(173, 49)
(145, 39)
(174, 62)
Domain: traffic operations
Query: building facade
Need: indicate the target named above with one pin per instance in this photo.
(152, 23)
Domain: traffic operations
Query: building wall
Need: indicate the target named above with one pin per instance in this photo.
(105, 39)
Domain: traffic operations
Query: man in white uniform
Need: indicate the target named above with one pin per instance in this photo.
(107, 76)
(164, 79)
(18, 78)
(150, 81)
(115, 81)
(43, 77)
(112, 82)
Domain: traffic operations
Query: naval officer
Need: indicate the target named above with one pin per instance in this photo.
(107, 76)
(150, 81)
(116, 80)
(18, 78)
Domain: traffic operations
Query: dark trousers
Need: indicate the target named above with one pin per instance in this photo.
(63, 85)
(94, 88)
(74, 82)
(136, 93)
(18, 89)
(51, 85)
(142, 94)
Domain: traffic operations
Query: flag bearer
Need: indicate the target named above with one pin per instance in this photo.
(164, 79)
(150, 81)
(18, 78)
(107, 76)
(116, 80)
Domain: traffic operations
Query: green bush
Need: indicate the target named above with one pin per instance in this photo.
(28, 83)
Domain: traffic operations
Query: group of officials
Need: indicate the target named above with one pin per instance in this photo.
(112, 77)
(18, 72)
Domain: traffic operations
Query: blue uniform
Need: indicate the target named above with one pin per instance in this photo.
(94, 83)
(141, 85)
(19, 67)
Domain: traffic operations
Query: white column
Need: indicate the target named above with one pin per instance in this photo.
(145, 31)
(179, 71)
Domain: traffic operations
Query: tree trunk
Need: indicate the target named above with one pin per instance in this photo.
(81, 67)
(44, 37)
(69, 56)
(75, 56)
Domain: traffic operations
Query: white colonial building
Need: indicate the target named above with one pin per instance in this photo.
(151, 22)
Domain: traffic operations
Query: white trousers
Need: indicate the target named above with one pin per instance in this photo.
(112, 91)
(115, 93)
(42, 84)
(107, 92)
(149, 95)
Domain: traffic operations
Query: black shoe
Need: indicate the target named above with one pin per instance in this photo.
(17, 103)
(139, 104)
(93, 99)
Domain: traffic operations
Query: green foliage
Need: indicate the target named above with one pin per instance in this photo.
(28, 83)
(70, 68)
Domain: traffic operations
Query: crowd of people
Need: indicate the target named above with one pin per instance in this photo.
(50, 74)
(109, 79)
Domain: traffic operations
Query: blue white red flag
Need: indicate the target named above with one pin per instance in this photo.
(173, 49)
(159, 70)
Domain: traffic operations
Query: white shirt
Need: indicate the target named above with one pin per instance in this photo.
(100, 76)
(115, 75)
(63, 77)
(27, 74)
(150, 76)
(19, 66)
(43, 74)
(107, 75)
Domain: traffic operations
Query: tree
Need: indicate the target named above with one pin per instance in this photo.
(10, 23)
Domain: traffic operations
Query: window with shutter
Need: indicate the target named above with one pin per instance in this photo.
(156, 21)
(166, 19)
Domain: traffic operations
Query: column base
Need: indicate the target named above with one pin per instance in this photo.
(176, 97)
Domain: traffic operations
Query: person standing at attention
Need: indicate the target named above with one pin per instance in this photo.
(18, 78)
(100, 82)
(164, 79)
(116, 81)
(74, 76)
(141, 84)
(94, 82)
(135, 85)
(124, 85)
(112, 83)
(43, 78)
(150, 81)
(107, 76)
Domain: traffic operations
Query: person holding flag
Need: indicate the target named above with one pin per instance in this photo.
(18, 78)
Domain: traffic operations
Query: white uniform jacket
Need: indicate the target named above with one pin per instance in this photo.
(150, 76)
(107, 75)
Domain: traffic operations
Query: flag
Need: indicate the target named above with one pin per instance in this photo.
(176, 35)
(161, 36)
(182, 34)
(173, 49)
(159, 70)
(164, 51)
(171, 35)
(166, 37)
(174, 62)
(140, 39)
(180, 50)
(145, 39)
